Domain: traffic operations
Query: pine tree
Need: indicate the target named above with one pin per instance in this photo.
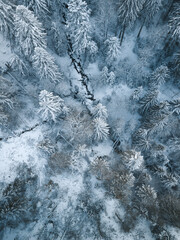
(92, 48)
(19, 65)
(150, 8)
(111, 78)
(174, 23)
(128, 11)
(104, 75)
(28, 31)
(101, 129)
(78, 25)
(50, 106)
(160, 75)
(121, 185)
(149, 100)
(175, 106)
(58, 38)
(100, 167)
(100, 111)
(147, 193)
(7, 18)
(133, 160)
(170, 180)
(37, 6)
(112, 49)
(45, 66)
(137, 93)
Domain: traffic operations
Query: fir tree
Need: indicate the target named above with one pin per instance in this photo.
(174, 106)
(128, 11)
(78, 25)
(101, 129)
(50, 106)
(121, 185)
(112, 49)
(111, 78)
(28, 31)
(19, 65)
(100, 167)
(45, 66)
(160, 75)
(150, 8)
(7, 12)
(100, 111)
(104, 75)
(133, 160)
(147, 193)
(37, 6)
(174, 23)
(149, 100)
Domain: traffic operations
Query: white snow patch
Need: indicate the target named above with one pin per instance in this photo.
(21, 149)
(103, 148)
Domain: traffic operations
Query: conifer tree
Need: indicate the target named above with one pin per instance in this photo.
(28, 31)
(174, 23)
(111, 78)
(150, 8)
(128, 11)
(78, 25)
(101, 129)
(100, 111)
(104, 75)
(37, 6)
(45, 66)
(113, 49)
(7, 12)
(50, 106)
(160, 75)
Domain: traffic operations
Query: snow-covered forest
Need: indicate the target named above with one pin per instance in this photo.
(89, 119)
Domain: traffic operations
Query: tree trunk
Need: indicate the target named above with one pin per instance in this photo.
(139, 33)
(124, 28)
(120, 33)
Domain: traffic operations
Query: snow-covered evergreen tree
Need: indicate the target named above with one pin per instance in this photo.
(112, 49)
(174, 106)
(79, 28)
(104, 75)
(92, 48)
(133, 160)
(121, 185)
(50, 106)
(7, 11)
(147, 193)
(100, 167)
(174, 23)
(128, 11)
(45, 66)
(28, 31)
(150, 8)
(137, 94)
(100, 111)
(101, 129)
(160, 75)
(111, 78)
(78, 25)
(37, 6)
(59, 39)
(19, 65)
(149, 100)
